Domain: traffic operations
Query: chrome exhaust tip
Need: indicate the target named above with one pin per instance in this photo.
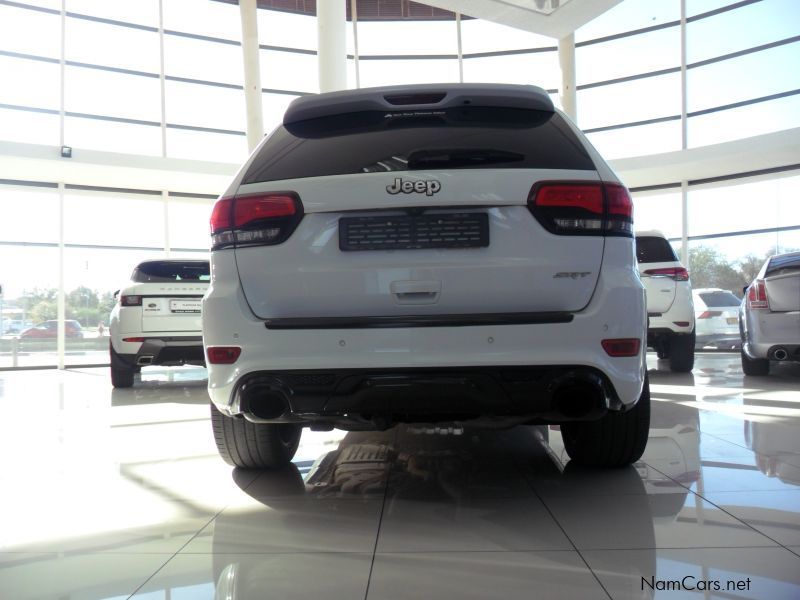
(780, 354)
(144, 361)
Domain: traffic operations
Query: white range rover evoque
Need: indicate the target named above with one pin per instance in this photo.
(450, 254)
(156, 320)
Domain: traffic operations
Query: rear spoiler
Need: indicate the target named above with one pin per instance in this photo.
(418, 97)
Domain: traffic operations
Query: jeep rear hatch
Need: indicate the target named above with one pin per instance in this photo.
(424, 211)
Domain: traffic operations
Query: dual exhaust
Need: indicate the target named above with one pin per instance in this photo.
(574, 397)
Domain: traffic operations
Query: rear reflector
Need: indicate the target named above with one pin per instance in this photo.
(675, 273)
(757, 295)
(130, 300)
(681, 323)
(622, 347)
(707, 314)
(258, 220)
(223, 355)
(133, 339)
(582, 208)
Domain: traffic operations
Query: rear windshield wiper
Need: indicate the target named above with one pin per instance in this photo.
(460, 157)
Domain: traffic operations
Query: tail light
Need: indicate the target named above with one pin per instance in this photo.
(582, 208)
(258, 220)
(707, 314)
(757, 295)
(622, 346)
(676, 273)
(130, 300)
(223, 355)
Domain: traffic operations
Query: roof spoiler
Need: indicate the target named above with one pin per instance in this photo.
(417, 97)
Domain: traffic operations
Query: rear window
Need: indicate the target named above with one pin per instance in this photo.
(720, 299)
(785, 263)
(453, 138)
(167, 270)
(653, 250)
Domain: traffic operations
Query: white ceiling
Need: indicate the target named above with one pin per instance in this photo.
(530, 15)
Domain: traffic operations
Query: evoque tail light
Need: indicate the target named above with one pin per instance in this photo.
(582, 208)
(257, 220)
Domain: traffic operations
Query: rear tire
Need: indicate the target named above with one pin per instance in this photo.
(681, 353)
(121, 376)
(754, 366)
(254, 445)
(616, 440)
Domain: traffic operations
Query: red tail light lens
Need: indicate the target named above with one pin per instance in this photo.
(622, 347)
(757, 295)
(259, 220)
(707, 314)
(676, 273)
(582, 208)
(130, 300)
(223, 355)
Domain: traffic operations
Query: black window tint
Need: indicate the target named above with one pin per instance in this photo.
(454, 138)
(720, 299)
(654, 249)
(168, 270)
(787, 262)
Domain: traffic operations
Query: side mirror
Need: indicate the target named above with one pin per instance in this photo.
(116, 293)
(744, 290)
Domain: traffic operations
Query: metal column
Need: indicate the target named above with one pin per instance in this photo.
(252, 73)
(566, 60)
(331, 28)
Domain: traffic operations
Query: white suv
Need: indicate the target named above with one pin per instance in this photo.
(156, 320)
(670, 308)
(448, 254)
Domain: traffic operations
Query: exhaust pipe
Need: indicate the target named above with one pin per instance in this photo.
(576, 398)
(144, 361)
(780, 354)
(266, 404)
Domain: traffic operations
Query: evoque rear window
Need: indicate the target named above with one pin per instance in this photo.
(167, 270)
(452, 138)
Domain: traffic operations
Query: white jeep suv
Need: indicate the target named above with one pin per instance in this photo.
(156, 320)
(670, 308)
(448, 254)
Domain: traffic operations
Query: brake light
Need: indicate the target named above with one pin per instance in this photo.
(757, 295)
(676, 273)
(263, 219)
(130, 300)
(223, 355)
(707, 314)
(582, 208)
(622, 346)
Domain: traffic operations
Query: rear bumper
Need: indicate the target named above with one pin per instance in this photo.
(161, 350)
(766, 331)
(378, 398)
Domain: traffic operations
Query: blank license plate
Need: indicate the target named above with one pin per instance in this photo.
(185, 306)
(732, 320)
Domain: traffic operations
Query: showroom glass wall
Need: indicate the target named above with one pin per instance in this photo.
(142, 78)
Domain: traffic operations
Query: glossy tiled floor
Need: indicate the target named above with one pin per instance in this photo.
(120, 494)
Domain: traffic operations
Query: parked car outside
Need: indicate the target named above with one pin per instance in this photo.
(156, 320)
(716, 315)
(769, 315)
(49, 329)
(456, 255)
(670, 310)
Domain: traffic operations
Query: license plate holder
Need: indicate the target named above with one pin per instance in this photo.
(414, 232)
(185, 306)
